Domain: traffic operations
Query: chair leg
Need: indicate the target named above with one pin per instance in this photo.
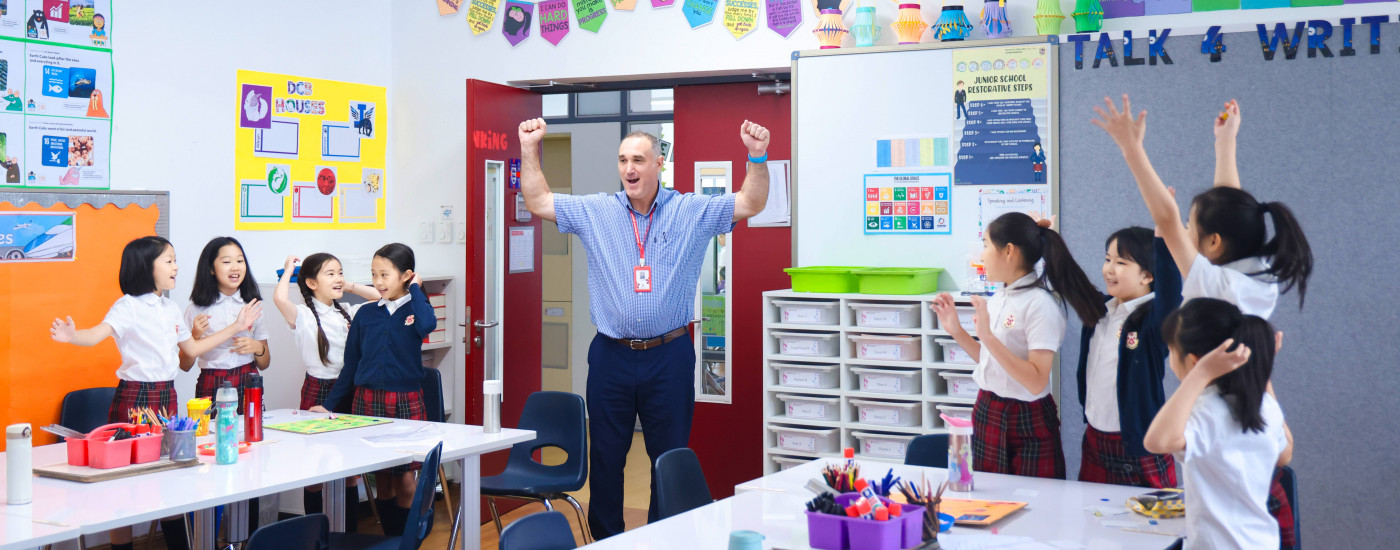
(547, 506)
(582, 521)
(491, 502)
(151, 535)
(446, 492)
(369, 490)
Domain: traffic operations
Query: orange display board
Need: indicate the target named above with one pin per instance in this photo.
(35, 371)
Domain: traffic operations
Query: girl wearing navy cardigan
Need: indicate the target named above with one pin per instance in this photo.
(1122, 361)
(384, 366)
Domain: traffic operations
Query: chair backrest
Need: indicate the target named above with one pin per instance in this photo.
(929, 450)
(1289, 480)
(680, 483)
(432, 395)
(420, 516)
(540, 531)
(558, 420)
(311, 531)
(86, 410)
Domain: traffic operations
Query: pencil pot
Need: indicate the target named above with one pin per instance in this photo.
(145, 449)
(182, 448)
(832, 532)
(77, 452)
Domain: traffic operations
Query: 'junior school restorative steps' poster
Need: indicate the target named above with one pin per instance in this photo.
(309, 153)
(1002, 116)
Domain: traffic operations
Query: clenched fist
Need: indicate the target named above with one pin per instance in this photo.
(532, 132)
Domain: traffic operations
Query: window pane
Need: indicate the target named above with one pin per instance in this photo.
(599, 103)
(665, 131)
(650, 101)
(556, 105)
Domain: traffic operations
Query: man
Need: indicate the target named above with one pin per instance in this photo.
(960, 97)
(645, 249)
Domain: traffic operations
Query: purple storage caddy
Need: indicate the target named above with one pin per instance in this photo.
(829, 532)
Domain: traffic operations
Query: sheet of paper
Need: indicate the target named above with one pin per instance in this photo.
(406, 437)
(778, 211)
(1107, 510)
(522, 249)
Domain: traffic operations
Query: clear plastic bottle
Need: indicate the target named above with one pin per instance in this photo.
(226, 402)
(959, 454)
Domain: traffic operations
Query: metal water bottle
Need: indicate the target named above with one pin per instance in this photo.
(19, 464)
(491, 419)
(226, 426)
(253, 409)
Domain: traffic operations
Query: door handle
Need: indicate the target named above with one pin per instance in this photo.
(485, 324)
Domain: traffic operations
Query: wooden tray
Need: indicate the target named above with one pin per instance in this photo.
(88, 474)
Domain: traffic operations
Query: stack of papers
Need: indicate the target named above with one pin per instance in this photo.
(421, 437)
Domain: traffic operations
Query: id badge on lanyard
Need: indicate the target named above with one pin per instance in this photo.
(641, 275)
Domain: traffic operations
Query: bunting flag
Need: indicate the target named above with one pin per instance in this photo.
(699, 12)
(662, 3)
(784, 16)
(623, 5)
(590, 14)
(554, 20)
(448, 7)
(516, 23)
(481, 15)
(740, 16)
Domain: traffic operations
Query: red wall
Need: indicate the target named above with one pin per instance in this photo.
(729, 437)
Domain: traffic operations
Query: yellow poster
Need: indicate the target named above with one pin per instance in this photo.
(1012, 72)
(740, 17)
(481, 15)
(309, 153)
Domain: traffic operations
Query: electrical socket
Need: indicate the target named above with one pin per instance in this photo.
(425, 231)
(444, 231)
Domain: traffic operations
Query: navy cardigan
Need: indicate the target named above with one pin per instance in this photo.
(1140, 371)
(383, 351)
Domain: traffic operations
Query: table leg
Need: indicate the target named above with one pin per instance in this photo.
(469, 505)
(333, 503)
(202, 529)
(236, 517)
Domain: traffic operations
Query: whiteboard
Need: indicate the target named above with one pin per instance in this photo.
(850, 105)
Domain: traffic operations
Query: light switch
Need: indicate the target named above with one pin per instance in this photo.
(425, 231)
(444, 231)
(461, 232)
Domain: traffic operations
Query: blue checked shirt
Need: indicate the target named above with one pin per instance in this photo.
(681, 226)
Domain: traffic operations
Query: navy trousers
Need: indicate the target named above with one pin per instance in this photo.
(657, 385)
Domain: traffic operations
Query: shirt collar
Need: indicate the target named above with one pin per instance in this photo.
(236, 297)
(320, 307)
(1130, 305)
(397, 303)
(149, 298)
(663, 195)
(1022, 284)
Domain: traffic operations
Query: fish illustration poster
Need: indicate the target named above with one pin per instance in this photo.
(309, 153)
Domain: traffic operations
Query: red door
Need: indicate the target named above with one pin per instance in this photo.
(502, 341)
(728, 438)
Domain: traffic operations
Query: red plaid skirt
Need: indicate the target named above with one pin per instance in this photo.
(132, 395)
(1106, 460)
(407, 405)
(210, 379)
(314, 391)
(1282, 510)
(1017, 437)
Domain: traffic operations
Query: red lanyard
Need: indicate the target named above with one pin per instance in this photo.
(641, 239)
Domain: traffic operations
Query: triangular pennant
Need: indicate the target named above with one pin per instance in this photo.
(481, 15)
(448, 7)
(516, 22)
(554, 20)
(624, 5)
(784, 16)
(662, 3)
(590, 14)
(699, 12)
(740, 17)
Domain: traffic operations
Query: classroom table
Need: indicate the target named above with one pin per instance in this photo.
(286, 461)
(774, 505)
(24, 527)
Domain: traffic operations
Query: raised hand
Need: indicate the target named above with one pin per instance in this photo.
(291, 262)
(984, 321)
(63, 331)
(755, 138)
(1220, 362)
(1227, 125)
(946, 311)
(532, 132)
(1120, 125)
(250, 313)
(200, 327)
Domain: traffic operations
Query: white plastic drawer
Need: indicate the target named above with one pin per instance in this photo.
(806, 312)
(960, 385)
(886, 315)
(883, 445)
(966, 317)
(809, 344)
(888, 380)
(887, 347)
(807, 440)
(789, 462)
(957, 411)
(954, 353)
(798, 375)
(888, 413)
(806, 407)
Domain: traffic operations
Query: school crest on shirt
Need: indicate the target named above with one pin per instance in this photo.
(1010, 320)
(1132, 339)
(408, 321)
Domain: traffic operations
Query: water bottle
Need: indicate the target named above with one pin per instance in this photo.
(19, 471)
(491, 417)
(226, 426)
(959, 454)
(253, 416)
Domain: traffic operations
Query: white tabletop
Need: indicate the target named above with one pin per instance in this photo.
(18, 528)
(287, 461)
(774, 506)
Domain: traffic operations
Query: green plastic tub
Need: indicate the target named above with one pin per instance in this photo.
(898, 280)
(824, 278)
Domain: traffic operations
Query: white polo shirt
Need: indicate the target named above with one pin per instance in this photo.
(1101, 399)
(1255, 295)
(1228, 472)
(222, 313)
(148, 330)
(336, 329)
(1023, 319)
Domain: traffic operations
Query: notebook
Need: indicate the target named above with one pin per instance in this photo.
(978, 512)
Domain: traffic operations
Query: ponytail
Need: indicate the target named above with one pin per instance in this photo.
(1201, 325)
(1062, 275)
(1238, 218)
(323, 346)
(310, 269)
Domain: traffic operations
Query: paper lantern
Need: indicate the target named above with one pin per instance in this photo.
(830, 29)
(952, 23)
(994, 21)
(865, 31)
(910, 26)
(1088, 16)
(1048, 17)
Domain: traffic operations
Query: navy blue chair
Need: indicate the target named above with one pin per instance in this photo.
(929, 450)
(416, 527)
(558, 421)
(680, 483)
(85, 410)
(311, 532)
(433, 405)
(1289, 480)
(542, 531)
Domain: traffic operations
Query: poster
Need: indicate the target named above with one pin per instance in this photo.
(740, 17)
(86, 23)
(27, 236)
(66, 152)
(1123, 8)
(912, 152)
(1003, 118)
(448, 7)
(67, 82)
(309, 153)
(522, 250)
(624, 5)
(699, 12)
(1165, 7)
(516, 23)
(908, 204)
(662, 3)
(554, 20)
(591, 14)
(784, 16)
(992, 203)
(481, 15)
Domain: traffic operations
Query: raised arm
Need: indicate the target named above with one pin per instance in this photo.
(1128, 134)
(1227, 130)
(538, 198)
(282, 295)
(1167, 434)
(66, 332)
(753, 196)
(369, 293)
(195, 347)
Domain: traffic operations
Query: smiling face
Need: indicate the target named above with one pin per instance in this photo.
(329, 283)
(230, 268)
(164, 270)
(639, 167)
(388, 280)
(1124, 278)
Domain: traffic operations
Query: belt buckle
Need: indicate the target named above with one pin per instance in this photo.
(637, 345)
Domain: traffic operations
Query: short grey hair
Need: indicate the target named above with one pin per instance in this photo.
(655, 142)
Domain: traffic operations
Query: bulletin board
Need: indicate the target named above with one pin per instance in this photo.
(890, 170)
(78, 278)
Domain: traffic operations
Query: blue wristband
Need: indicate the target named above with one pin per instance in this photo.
(759, 160)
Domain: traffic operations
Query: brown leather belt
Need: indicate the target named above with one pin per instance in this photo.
(637, 344)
